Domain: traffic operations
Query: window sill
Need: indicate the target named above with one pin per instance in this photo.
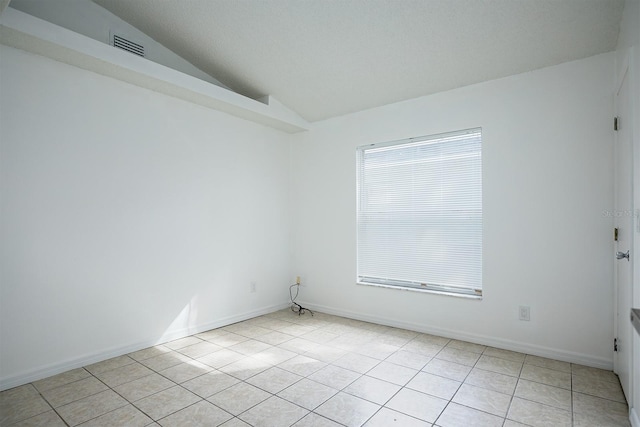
(428, 291)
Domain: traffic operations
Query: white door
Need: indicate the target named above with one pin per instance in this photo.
(623, 221)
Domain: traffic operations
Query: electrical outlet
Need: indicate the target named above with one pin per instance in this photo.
(297, 280)
(252, 287)
(525, 313)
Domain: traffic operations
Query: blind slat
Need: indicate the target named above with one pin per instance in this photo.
(420, 212)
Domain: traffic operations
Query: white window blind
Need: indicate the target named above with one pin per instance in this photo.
(420, 213)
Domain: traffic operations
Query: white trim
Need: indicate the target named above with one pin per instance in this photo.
(634, 418)
(23, 31)
(565, 356)
(88, 359)
(427, 291)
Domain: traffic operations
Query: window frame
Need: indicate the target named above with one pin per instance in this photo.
(451, 289)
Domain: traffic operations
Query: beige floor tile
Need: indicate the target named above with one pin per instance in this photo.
(46, 419)
(599, 420)
(91, 407)
(227, 339)
(546, 376)
(386, 417)
(21, 403)
(126, 416)
(347, 409)
(492, 380)
(467, 346)
(273, 412)
(182, 342)
(434, 385)
(543, 362)
(377, 350)
(546, 394)
(165, 360)
(538, 415)
(334, 377)
(147, 353)
(349, 342)
(275, 338)
(296, 330)
(319, 336)
(602, 374)
(315, 420)
(61, 379)
(504, 354)
(250, 347)
(423, 348)
(245, 368)
(433, 339)
(109, 364)
(274, 355)
(454, 371)
(199, 350)
(615, 413)
(372, 389)
(302, 365)
(401, 333)
(343, 368)
(455, 355)
(221, 358)
(143, 387)
(274, 324)
(185, 371)
(235, 422)
(166, 402)
(325, 353)
(408, 359)
(299, 345)
(124, 374)
(501, 366)
(238, 398)
(274, 379)
(483, 399)
(392, 373)
(210, 384)
(356, 362)
(418, 405)
(393, 340)
(252, 331)
(462, 416)
(203, 414)
(307, 394)
(74, 391)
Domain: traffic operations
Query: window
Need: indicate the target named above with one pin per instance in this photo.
(420, 213)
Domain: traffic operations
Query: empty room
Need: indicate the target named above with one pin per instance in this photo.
(273, 213)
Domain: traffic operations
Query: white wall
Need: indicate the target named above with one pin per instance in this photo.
(547, 178)
(128, 217)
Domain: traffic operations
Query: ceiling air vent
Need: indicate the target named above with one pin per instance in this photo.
(125, 44)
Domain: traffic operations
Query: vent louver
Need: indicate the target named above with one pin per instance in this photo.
(124, 44)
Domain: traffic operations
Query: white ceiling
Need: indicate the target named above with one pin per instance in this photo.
(324, 58)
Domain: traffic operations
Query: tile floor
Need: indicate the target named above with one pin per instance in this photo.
(282, 369)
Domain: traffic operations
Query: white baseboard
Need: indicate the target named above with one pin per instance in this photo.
(88, 359)
(518, 346)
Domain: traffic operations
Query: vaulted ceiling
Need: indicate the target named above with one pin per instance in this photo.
(324, 58)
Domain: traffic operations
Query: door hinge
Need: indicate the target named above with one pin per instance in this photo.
(615, 234)
(615, 344)
(615, 123)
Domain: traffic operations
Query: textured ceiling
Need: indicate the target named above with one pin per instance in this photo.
(324, 58)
